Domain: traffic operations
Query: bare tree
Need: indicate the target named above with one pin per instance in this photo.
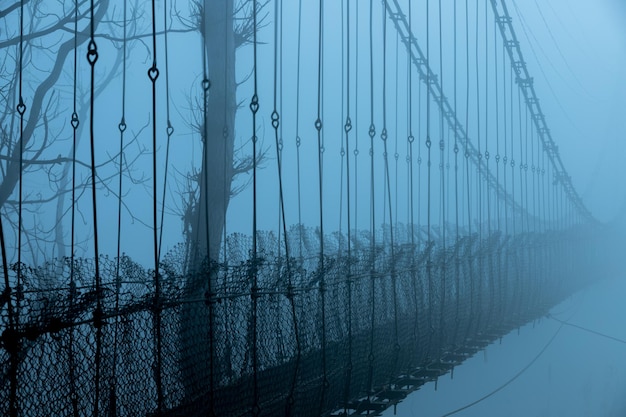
(47, 51)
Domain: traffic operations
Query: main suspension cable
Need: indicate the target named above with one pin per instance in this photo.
(508, 382)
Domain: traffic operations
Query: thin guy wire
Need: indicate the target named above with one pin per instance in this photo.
(122, 128)
(442, 209)
(226, 132)
(429, 262)
(411, 138)
(21, 108)
(505, 131)
(456, 136)
(153, 74)
(347, 129)
(467, 100)
(384, 137)
(318, 127)
(290, 287)
(169, 129)
(356, 117)
(92, 57)
(14, 319)
(254, 107)
(74, 122)
(275, 124)
(512, 122)
(487, 114)
(206, 86)
(372, 132)
(497, 116)
(342, 150)
(517, 375)
(428, 141)
(298, 140)
(356, 124)
(443, 275)
(479, 183)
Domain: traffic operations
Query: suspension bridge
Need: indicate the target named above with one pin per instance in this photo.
(420, 209)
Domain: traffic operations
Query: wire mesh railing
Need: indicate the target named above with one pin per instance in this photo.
(316, 345)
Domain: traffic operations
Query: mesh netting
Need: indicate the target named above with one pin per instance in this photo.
(306, 340)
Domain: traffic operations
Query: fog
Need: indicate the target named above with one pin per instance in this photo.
(350, 144)
(574, 51)
(543, 368)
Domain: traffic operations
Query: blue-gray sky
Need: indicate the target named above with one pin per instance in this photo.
(575, 51)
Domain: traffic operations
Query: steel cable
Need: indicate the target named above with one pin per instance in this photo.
(372, 133)
(169, 130)
(346, 152)
(92, 57)
(153, 75)
(254, 107)
(320, 151)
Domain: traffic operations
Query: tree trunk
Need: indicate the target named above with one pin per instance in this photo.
(198, 335)
(217, 167)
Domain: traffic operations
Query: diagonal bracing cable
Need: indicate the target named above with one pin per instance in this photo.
(509, 381)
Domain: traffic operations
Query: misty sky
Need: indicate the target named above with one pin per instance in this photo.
(553, 370)
(575, 50)
(579, 48)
